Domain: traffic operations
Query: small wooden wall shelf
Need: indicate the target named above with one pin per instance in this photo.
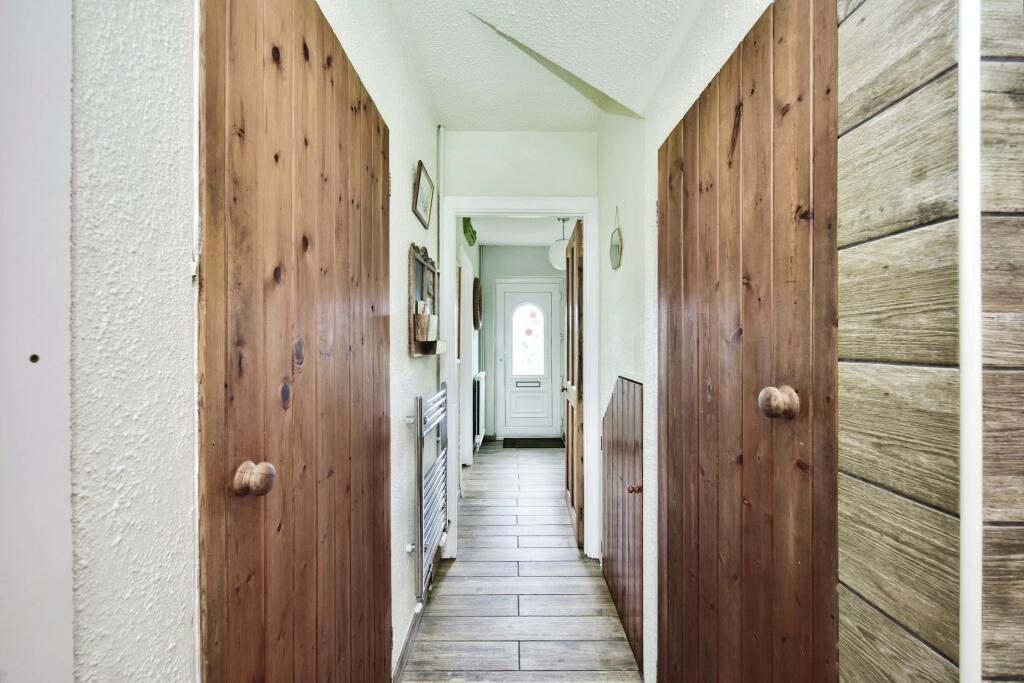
(423, 320)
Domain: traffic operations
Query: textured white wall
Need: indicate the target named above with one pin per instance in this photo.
(520, 164)
(373, 39)
(133, 387)
(620, 177)
(35, 291)
(712, 37)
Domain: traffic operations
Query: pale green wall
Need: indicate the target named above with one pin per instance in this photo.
(502, 262)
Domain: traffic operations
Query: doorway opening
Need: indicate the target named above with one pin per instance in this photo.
(533, 225)
(521, 593)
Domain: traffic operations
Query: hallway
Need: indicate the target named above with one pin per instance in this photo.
(521, 603)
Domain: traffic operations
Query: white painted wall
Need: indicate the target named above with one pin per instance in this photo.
(710, 39)
(620, 149)
(373, 39)
(520, 164)
(35, 426)
(133, 381)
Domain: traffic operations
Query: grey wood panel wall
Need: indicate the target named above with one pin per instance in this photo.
(899, 427)
(898, 341)
(1002, 124)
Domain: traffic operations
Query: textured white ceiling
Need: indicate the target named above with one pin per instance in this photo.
(483, 81)
(518, 231)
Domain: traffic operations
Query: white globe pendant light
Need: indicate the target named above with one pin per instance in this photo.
(556, 252)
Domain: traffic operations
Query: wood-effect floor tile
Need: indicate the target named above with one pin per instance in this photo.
(520, 595)
(564, 655)
(566, 605)
(473, 606)
(521, 585)
(478, 656)
(520, 628)
(577, 568)
(522, 677)
(518, 554)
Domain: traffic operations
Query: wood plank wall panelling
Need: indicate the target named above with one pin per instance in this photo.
(1002, 257)
(293, 292)
(1002, 136)
(902, 556)
(747, 298)
(1002, 28)
(899, 426)
(622, 555)
(898, 341)
(1002, 123)
(874, 648)
(898, 298)
(1003, 601)
(846, 7)
(1004, 446)
(888, 45)
(898, 170)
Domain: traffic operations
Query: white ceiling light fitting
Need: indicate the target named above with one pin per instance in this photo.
(556, 252)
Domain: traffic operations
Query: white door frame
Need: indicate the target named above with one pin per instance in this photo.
(467, 366)
(451, 208)
(498, 342)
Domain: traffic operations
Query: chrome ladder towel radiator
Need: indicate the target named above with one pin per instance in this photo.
(432, 522)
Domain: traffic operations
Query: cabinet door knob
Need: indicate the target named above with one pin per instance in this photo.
(777, 402)
(254, 479)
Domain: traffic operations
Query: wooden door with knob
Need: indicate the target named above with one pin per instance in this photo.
(747, 443)
(573, 388)
(623, 537)
(294, 509)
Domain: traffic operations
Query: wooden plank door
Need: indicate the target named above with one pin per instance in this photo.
(747, 329)
(622, 554)
(574, 380)
(293, 281)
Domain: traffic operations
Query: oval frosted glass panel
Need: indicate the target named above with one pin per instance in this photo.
(528, 340)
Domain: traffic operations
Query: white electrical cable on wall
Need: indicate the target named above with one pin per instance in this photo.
(971, 413)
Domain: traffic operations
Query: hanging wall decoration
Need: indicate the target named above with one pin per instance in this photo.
(423, 195)
(615, 252)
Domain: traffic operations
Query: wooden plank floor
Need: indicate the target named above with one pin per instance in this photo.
(521, 603)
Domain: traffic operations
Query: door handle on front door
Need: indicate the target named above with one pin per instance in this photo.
(254, 479)
(635, 488)
(781, 402)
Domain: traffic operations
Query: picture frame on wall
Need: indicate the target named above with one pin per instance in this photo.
(423, 195)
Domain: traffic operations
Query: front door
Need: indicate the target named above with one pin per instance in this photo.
(574, 381)
(528, 362)
(294, 511)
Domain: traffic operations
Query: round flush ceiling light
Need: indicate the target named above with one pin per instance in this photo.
(556, 252)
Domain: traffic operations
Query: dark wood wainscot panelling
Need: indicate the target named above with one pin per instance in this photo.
(622, 556)
(294, 320)
(747, 301)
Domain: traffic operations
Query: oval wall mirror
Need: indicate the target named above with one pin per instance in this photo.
(615, 252)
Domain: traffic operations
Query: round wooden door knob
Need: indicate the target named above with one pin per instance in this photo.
(634, 488)
(781, 402)
(254, 479)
